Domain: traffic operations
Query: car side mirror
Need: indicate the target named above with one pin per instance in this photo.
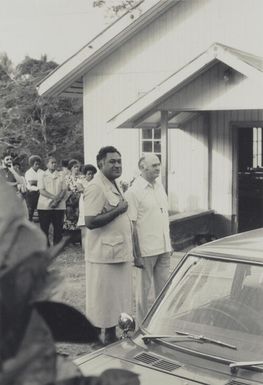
(126, 324)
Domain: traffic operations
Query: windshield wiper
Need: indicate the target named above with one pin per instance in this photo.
(234, 366)
(184, 337)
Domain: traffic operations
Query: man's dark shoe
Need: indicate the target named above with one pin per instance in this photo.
(110, 336)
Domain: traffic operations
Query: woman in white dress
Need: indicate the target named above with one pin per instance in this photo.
(88, 171)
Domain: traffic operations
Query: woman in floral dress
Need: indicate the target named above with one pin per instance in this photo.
(73, 180)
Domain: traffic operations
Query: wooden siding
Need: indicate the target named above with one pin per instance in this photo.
(152, 55)
(221, 163)
(159, 50)
(97, 101)
(188, 167)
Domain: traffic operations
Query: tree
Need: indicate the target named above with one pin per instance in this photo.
(6, 65)
(35, 68)
(32, 124)
(116, 8)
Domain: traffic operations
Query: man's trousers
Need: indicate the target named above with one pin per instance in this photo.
(54, 217)
(31, 200)
(156, 270)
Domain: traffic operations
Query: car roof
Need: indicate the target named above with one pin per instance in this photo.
(246, 246)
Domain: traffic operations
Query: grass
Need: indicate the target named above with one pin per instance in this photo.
(71, 265)
(72, 291)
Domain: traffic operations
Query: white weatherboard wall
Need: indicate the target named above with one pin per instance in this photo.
(166, 45)
(98, 101)
(189, 163)
(188, 175)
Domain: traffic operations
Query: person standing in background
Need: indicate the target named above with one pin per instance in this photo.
(108, 250)
(64, 167)
(88, 172)
(8, 172)
(12, 177)
(21, 186)
(51, 203)
(72, 180)
(148, 210)
(32, 176)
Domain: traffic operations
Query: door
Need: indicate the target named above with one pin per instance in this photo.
(250, 178)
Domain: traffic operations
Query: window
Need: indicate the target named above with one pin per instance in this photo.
(151, 141)
(220, 298)
(257, 146)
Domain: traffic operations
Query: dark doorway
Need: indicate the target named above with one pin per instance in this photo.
(250, 178)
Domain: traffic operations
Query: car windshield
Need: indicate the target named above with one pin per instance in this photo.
(217, 299)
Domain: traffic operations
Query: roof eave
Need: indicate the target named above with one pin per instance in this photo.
(146, 103)
(101, 46)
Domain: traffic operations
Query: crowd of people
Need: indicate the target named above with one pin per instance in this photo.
(118, 228)
(51, 193)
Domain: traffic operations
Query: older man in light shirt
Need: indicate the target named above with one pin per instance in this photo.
(148, 210)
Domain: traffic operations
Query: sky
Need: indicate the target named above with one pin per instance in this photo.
(58, 28)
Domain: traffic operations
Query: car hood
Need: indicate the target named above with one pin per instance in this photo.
(151, 367)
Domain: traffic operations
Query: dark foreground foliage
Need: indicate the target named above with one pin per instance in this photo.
(30, 322)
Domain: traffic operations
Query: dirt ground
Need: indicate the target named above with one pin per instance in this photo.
(71, 265)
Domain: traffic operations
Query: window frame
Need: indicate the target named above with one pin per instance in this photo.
(151, 140)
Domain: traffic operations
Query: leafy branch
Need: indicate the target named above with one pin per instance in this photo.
(31, 322)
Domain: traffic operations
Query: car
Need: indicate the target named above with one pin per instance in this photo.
(206, 326)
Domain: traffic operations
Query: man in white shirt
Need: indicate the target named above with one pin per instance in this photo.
(32, 176)
(51, 203)
(148, 210)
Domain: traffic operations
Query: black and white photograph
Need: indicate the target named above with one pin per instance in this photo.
(131, 192)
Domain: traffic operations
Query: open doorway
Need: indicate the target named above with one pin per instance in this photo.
(250, 178)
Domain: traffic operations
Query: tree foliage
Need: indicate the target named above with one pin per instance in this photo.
(33, 124)
(6, 65)
(116, 8)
